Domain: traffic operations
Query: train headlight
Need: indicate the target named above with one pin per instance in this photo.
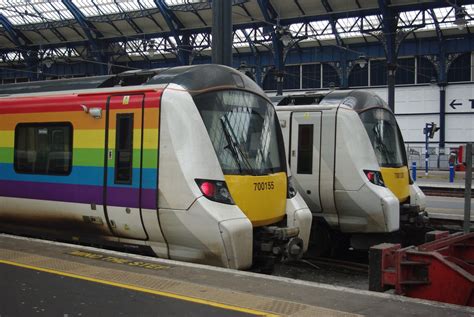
(375, 177)
(291, 188)
(215, 190)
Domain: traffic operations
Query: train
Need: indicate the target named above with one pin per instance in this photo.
(186, 163)
(347, 157)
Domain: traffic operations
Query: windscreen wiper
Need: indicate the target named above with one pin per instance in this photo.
(230, 145)
(235, 143)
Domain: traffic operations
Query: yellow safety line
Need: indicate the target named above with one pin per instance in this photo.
(144, 290)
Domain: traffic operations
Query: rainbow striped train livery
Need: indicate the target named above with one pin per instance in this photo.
(187, 164)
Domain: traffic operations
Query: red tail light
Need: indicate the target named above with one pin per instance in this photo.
(370, 176)
(208, 189)
(375, 177)
(215, 190)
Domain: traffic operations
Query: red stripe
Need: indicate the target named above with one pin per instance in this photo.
(70, 103)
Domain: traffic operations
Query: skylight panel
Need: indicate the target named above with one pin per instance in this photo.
(100, 7)
(348, 27)
(20, 12)
(181, 2)
(411, 18)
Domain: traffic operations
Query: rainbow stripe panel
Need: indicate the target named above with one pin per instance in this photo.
(85, 184)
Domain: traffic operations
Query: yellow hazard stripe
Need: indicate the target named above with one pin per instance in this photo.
(144, 290)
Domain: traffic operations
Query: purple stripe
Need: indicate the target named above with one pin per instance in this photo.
(84, 194)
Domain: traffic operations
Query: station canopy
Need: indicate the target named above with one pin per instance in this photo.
(148, 29)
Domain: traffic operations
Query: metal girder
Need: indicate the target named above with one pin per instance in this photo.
(333, 22)
(174, 24)
(389, 26)
(15, 36)
(271, 17)
(91, 32)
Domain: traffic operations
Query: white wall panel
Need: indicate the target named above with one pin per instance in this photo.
(412, 127)
(460, 128)
(425, 99)
(462, 98)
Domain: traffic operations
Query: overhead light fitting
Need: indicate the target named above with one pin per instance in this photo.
(361, 61)
(48, 61)
(151, 49)
(285, 35)
(460, 17)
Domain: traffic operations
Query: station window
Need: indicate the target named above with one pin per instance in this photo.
(460, 69)
(378, 72)
(305, 149)
(330, 76)
(292, 77)
(311, 76)
(124, 148)
(405, 74)
(269, 82)
(43, 148)
(426, 72)
(359, 76)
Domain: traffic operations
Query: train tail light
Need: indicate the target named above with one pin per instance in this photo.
(375, 177)
(215, 190)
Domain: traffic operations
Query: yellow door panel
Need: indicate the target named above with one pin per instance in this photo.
(397, 180)
(261, 198)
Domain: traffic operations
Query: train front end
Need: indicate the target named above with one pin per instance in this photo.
(388, 145)
(227, 146)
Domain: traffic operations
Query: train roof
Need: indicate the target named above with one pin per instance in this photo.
(359, 100)
(195, 78)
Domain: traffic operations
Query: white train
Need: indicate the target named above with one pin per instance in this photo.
(348, 161)
(187, 163)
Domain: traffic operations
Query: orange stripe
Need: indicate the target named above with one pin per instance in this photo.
(78, 119)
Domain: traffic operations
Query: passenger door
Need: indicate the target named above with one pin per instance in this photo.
(123, 173)
(305, 156)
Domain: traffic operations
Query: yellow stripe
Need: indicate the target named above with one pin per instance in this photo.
(144, 290)
(94, 139)
(91, 139)
(7, 139)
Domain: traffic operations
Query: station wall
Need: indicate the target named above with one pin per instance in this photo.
(417, 105)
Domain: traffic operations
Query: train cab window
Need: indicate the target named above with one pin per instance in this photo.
(124, 149)
(43, 148)
(305, 149)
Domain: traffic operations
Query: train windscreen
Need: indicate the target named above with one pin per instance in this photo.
(385, 137)
(243, 129)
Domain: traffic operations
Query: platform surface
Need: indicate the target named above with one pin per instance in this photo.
(53, 279)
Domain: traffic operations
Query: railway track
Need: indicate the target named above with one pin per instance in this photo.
(319, 262)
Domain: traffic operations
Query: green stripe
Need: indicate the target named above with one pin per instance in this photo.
(88, 157)
(6, 155)
(94, 157)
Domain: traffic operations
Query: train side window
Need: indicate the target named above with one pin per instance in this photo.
(43, 148)
(124, 148)
(305, 149)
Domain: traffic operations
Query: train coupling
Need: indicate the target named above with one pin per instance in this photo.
(283, 243)
(413, 217)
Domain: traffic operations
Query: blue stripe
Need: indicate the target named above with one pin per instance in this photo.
(82, 175)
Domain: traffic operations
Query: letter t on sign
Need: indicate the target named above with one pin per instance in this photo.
(472, 103)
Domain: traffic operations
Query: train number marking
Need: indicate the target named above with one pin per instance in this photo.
(259, 186)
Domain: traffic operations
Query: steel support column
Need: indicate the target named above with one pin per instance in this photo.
(222, 32)
(390, 21)
(442, 82)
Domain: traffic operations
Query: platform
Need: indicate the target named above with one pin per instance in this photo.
(45, 278)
